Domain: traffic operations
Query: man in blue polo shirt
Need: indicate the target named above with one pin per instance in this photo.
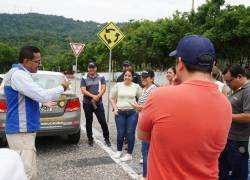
(93, 86)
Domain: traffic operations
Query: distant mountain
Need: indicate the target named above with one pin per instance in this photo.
(15, 27)
(52, 34)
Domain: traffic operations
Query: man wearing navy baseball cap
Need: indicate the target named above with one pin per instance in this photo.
(128, 65)
(196, 52)
(187, 125)
(93, 86)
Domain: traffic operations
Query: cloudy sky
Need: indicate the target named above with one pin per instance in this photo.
(105, 10)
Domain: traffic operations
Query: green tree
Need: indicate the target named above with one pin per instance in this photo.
(8, 56)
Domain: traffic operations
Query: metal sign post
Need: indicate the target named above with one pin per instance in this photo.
(76, 73)
(110, 75)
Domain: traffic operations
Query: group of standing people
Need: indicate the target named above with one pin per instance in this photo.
(127, 98)
(188, 129)
(194, 116)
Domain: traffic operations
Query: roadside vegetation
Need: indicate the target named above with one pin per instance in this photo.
(147, 43)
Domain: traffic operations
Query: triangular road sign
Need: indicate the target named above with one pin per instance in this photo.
(77, 48)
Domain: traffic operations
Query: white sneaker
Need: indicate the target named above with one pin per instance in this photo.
(126, 157)
(141, 161)
(141, 177)
(118, 154)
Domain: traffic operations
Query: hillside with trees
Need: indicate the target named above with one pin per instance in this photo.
(146, 43)
(51, 34)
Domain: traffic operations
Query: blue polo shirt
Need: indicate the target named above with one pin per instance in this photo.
(93, 85)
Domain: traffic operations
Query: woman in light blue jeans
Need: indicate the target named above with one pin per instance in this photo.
(122, 96)
(126, 122)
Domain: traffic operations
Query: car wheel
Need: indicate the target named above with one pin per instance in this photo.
(74, 138)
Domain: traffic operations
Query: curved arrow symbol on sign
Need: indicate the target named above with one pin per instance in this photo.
(108, 40)
(108, 30)
(117, 37)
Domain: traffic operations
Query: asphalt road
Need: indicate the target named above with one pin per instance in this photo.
(58, 160)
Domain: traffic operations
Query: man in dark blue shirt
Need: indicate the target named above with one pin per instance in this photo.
(125, 66)
(93, 86)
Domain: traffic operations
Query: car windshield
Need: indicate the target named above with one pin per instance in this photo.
(48, 81)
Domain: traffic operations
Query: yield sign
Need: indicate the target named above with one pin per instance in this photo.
(77, 48)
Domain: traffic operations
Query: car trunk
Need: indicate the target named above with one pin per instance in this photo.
(66, 102)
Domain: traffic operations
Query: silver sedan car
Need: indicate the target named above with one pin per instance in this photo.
(64, 119)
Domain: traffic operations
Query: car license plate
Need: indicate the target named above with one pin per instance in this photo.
(51, 122)
(48, 120)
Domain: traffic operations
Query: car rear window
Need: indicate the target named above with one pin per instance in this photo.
(48, 81)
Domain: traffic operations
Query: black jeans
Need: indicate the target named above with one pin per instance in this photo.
(99, 112)
(233, 161)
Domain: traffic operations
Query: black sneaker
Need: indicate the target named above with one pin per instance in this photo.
(107, 142)
(91, 142)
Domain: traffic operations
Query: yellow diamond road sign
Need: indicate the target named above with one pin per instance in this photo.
(111, 35)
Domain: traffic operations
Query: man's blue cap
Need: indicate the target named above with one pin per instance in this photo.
(191, 48)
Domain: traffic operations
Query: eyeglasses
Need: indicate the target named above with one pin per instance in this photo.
(37, 62)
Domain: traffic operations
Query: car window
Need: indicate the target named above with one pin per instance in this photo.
(48, 81)
(1, 80)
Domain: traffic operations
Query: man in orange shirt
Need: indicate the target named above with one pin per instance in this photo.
(187, 125)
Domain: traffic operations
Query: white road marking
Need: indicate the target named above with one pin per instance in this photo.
(111, 153)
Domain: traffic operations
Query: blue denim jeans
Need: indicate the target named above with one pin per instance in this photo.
(126, 122)
(233, 161)
(144, 151)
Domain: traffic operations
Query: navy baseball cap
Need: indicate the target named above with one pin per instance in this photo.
(148, 73)
(126, 62)
(91, 65)
(191, 48)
